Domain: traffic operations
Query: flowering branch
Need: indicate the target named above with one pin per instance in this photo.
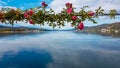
(40, 16)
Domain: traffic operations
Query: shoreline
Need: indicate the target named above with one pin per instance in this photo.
(12, 32)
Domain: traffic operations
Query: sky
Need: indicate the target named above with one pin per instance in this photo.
(58, 5)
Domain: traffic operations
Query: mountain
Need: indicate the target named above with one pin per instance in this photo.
(104, 29)
(107, 27)
(21, 29)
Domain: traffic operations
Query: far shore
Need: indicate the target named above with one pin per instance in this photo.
(34, 31)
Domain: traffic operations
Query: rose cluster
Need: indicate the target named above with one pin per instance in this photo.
(39, 15)
(69, 10)
(29, 13)
(74, 17)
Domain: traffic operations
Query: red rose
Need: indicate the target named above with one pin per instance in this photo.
(26, 15)
(81, 26)
(30, 12)
(91, 13)
(68, 5)
(31, 21)
(69, 10)
(74, 18)
(44, 4)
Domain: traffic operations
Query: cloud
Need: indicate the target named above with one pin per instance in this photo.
(2, 3)
(108, 4)
(58, 5)
(7, 7)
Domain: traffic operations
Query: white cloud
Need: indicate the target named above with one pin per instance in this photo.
(58, 5)
(7, 7)
(2, 2)
(108, 4)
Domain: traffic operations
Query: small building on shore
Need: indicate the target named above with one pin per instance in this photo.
(103, 30)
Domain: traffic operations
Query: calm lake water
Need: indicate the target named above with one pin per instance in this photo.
(59, 49)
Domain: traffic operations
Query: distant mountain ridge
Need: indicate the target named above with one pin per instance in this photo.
(109, 27)
(23, 29)
(104, 27)
(10, 29)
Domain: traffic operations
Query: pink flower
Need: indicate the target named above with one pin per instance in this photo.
(44, 4)
(81, 26)
(30, 12)
(91, 13)
(26, 15)
(31, 21)
(74, 18)
(68, 5)
(69, 10)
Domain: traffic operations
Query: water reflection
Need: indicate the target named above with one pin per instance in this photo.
(25, 59)
(65, 49)
(111, 34)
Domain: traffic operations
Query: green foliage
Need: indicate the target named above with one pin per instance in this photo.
(113, 13)
(42, 16)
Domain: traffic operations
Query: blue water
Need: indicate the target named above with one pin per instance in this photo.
(59, 49)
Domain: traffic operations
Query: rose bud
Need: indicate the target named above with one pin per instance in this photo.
(30, 12)
(69, 10)
(44, 4)
(31, 21)
(81, 26)
(74, 18)
(91, 13)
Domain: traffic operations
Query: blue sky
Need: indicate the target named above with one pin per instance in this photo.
(22, 4)
(58, 5)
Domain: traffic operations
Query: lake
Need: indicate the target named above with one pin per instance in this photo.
(59, 49)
